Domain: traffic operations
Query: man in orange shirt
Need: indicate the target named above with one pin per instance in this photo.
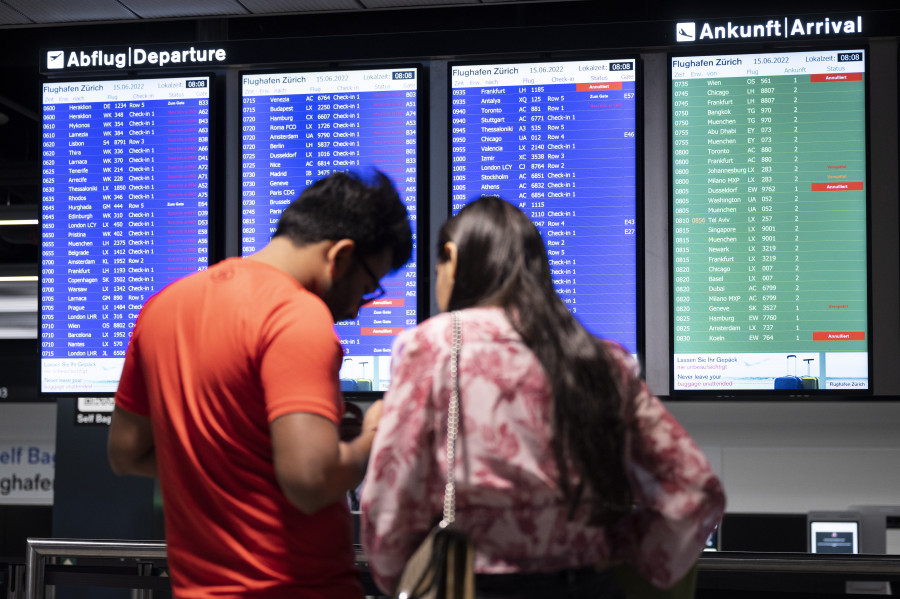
(230, 394)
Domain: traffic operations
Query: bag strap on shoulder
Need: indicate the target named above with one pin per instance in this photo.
(452, 425)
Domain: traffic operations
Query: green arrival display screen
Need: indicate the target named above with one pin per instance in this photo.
(769, 221)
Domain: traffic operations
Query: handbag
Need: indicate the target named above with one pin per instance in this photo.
(443, 565)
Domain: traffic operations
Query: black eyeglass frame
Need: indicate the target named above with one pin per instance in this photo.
(379, 290)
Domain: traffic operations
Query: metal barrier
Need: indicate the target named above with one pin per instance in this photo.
(41, 553)
(800, 563)
(782, 574)
(15, 582)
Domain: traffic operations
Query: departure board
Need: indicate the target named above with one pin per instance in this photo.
(558, 140)
(124, 211)
(769, 242)
(301, 127)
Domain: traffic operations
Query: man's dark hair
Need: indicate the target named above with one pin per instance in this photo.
(343, 206)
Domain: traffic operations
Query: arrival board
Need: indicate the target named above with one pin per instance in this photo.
(124, 211)
(558, 140)
(301, 127)
(769, 247)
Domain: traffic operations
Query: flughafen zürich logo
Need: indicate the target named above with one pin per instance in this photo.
(781, 28)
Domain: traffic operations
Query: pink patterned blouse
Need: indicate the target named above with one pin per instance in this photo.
(508, 497)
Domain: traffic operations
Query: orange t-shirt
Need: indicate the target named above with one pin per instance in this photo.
(213, 359)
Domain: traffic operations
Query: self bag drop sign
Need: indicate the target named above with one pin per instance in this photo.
(26, 474)
(27, 453)
(132, 57)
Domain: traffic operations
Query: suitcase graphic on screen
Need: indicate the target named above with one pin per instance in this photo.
(349, 385)
(364, 384)
(809, 381)
(789, 381)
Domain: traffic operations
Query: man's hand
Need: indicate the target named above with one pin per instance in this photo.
(130, 447)
(372, 417)
(313, 466)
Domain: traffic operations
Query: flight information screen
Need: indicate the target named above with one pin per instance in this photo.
(558, 140)
(301, 127)
(769, 243)
(124, 212)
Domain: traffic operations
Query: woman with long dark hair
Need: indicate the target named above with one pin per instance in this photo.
(565, 460)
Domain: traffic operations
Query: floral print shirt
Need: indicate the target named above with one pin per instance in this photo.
(507, 492)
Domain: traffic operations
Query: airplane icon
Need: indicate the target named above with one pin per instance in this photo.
(685, 32)
(56, 59)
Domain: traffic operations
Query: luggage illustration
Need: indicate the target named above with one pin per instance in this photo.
(364, 384)
(348, 384)
(809, 381)
(789, 380)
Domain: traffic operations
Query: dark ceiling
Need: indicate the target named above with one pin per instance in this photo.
(30, 12)
(27, 26)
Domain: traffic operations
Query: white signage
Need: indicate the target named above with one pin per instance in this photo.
(134, 57)
(27, 453)
(786, 28)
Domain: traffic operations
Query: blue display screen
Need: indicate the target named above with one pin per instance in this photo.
(301, 127)
(124, 212)
(558, 140)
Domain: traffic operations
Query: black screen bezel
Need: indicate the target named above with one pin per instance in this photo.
(422, 204)
(519, 59)
(212, 217)
(769, 394)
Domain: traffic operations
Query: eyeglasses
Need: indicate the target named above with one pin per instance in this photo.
(379, 290)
